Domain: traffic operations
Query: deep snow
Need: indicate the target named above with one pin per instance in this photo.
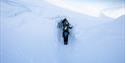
(29, 34)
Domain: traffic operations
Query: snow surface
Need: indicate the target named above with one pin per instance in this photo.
(29, 34)
(95, 8)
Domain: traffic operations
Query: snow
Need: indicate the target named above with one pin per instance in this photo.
(29, 34)
(95, 9)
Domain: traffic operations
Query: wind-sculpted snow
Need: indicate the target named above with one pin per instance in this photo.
(29, 34)
(11, 8)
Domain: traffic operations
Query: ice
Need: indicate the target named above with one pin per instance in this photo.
(29, 34)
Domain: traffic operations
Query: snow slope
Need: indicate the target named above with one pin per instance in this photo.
(29, 34)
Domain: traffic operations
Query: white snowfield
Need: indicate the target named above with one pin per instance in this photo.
(91, 9)
(29, 33)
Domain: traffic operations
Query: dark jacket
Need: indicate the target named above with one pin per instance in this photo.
(66, 25)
